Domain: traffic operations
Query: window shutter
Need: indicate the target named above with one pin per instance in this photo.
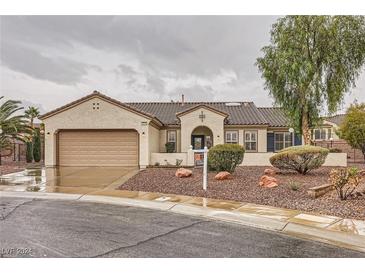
(270, 142)
(298, 139)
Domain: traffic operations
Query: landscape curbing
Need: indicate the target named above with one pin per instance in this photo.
(302, 225)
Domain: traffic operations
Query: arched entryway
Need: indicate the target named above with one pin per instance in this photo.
(201, 136)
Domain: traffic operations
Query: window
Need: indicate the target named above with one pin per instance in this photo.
(320, 134)
(282, 140)
(231, 137)
(250, 140)
(171, 137)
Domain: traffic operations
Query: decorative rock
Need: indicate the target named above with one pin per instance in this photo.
(183, 172)
(223, 175)
(318, 191)
(268, 181)
(271, 185)
(269, 171)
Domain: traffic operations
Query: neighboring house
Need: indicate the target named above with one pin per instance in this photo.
(325, 136)
(17, 152)
(327, 130)
(97, 130)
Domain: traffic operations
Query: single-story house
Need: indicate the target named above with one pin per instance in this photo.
(97, 130)
(327, 130)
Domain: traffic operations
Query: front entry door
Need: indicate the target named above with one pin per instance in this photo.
(197, 141)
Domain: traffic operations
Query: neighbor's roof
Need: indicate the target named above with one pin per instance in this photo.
(274, 116)
(244, 113)
(336, 119)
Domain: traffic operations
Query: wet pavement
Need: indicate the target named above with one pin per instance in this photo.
(78, 180)
(88, 183)
(35, 228)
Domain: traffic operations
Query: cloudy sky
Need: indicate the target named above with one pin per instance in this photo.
(48, 61)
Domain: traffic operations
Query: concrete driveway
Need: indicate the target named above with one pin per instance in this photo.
(80, 180)
(60, 228)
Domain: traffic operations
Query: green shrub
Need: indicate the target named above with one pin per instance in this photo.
(293, 185)
(225, 157)
(335, 150)
(300, 158)
(178, 162)
(170, 147)
(29, 152)
(37, 145)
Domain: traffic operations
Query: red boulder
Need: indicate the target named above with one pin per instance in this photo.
(268, 181)
(183, 172)
(223, 175)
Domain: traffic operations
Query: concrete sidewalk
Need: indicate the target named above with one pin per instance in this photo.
(347, 233)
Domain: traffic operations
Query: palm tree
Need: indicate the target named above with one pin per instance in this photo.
(31, 113)
(12, 126)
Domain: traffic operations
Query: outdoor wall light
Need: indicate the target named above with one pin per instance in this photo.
(143, 133)
(48, 133)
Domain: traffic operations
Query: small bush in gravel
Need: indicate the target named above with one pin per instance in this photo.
(300, 158)
(294, 185)
(345, 181)
(225, 157)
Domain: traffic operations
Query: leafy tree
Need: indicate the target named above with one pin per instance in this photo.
(12, 126)
(352, 128)
(31, 113)
(29, 152)
(312, 62)
(37, 145)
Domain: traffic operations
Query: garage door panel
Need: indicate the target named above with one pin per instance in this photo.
(98, 148)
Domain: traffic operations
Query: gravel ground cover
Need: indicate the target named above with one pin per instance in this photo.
(244, 187)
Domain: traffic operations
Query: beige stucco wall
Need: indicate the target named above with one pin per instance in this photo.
(168, 158)
(108, 116)
(262, 159)
(154, 139)
(191, 120)
(163, 139)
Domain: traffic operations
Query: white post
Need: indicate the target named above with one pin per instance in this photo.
(205, 169)
(292, 131)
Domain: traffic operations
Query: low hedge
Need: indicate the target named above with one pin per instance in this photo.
(300, 158)
(225, 157)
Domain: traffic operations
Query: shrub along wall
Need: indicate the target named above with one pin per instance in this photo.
(225, 157)
(300, 158)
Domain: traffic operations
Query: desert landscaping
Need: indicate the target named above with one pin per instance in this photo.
(244, 186)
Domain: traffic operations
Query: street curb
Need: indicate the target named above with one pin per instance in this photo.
(40, 195)
(336, 238)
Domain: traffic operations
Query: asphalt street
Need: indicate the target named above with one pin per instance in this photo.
(56, 228)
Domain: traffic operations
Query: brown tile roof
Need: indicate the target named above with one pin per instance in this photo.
(336, 119)
(164, 113)
(246, 113)
(274, 116)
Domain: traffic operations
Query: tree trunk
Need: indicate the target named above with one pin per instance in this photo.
(305, 128)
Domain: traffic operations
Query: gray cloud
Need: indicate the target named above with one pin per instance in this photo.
(137, 57)
(194, 93)
(31, 62)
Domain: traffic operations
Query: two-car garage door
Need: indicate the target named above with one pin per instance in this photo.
(98, 148)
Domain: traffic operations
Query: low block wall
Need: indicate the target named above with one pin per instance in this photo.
(336, 159)
(262, 159)
(168, 158)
